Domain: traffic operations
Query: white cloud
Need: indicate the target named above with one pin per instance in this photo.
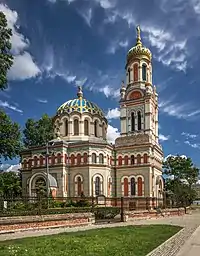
(174, 156)
(13, 168)
(109, 92)
(115, 45)
(189, 135)
(113, 113)
(112, 134)
(24, 66)
(106, 4)
(5, 104)
(182, 111)
(44, 101)
(163, 137)
(193, 145)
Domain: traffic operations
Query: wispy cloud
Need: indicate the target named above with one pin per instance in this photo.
(44, 101)
(87, 15)
(193, 145)
(189, 135)
(182, 111)
(112, 133)
(5, 104)
(113, 113)
(117, 44)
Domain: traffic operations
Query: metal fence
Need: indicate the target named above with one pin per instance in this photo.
(102, 207)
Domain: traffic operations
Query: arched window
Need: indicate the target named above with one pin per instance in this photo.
(86, 127)
(126, 160)
(96, 128)
(76, 127)
(101, 158)
(144, 72)
(132, 160)
(139, 186)
(97, 186)
(41, 160)
(132, 122)
(104, 131)
(85, 158)
(94, 158)
(119, 160)
(129, 75)
(79, 185)
(135, 69)
(52, 159)
(125, 186)
(25, 164)
(139, 120)
(72, 159)
(29, 163)
(138, 159)
(145, 158)
(111, 160)
(132, 186)
(66, 128)
(59, 157)
(35, 161)
(78, 159)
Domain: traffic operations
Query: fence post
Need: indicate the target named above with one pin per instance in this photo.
(122, 209)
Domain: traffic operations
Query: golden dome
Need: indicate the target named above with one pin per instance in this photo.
(139, 49)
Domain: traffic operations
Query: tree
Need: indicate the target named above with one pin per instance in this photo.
(10, 137)
(6, 58)
(37, 133)
(182, 175)
(10, 184)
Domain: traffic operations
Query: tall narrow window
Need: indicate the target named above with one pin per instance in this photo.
(66, 128)
(59, 158)
(132, 122)
(85, 158)
(53, 159)
(145, 158)
(139, 186)
(41, 160)
(72, 159)
(35, 161)
(139, 120)
(101, 159)
(132, 160)
(138, 159)
(144, 72)
(96, 128)
(119, 160)
(86, 127)
(78, 157)
(104, 131)
(135, 69)
(97, 186)
(125, 186)
(76, 127)
(25, 164)
(132, 186)
(79, 185)
(29, 163)
(129, 75)
(94, 158)
(126, 160)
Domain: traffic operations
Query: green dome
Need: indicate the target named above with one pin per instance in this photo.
(80, 105)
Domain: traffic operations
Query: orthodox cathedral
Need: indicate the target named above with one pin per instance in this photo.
(80, 160)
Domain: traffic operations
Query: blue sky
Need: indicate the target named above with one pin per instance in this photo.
(59, 44)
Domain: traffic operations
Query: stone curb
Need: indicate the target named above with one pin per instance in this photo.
(167, 241)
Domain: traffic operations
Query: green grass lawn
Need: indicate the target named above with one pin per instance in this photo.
(120, 241)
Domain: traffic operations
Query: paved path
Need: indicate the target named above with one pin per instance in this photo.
(169, 248)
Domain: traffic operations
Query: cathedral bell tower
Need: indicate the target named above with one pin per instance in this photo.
(139, 100)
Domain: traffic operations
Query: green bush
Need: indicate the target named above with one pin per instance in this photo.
(106, 212)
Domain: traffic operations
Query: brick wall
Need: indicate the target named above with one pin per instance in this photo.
(45, 221)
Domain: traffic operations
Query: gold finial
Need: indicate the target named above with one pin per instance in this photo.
(138, 36)
(80, 92)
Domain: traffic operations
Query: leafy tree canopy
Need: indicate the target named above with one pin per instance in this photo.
(10, 137)
(6, 58)
(182, 175)
(10, 184)
(37, 133)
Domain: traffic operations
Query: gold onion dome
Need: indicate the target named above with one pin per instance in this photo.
(138, 50)
(80, 105)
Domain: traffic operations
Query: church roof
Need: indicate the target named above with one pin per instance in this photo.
(80, 105)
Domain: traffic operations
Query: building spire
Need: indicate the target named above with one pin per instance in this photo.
(138, 42)
(80, 92)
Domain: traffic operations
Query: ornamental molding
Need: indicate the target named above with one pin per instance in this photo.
(136, 139)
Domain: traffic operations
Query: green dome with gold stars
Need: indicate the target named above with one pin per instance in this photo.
(80, 105)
